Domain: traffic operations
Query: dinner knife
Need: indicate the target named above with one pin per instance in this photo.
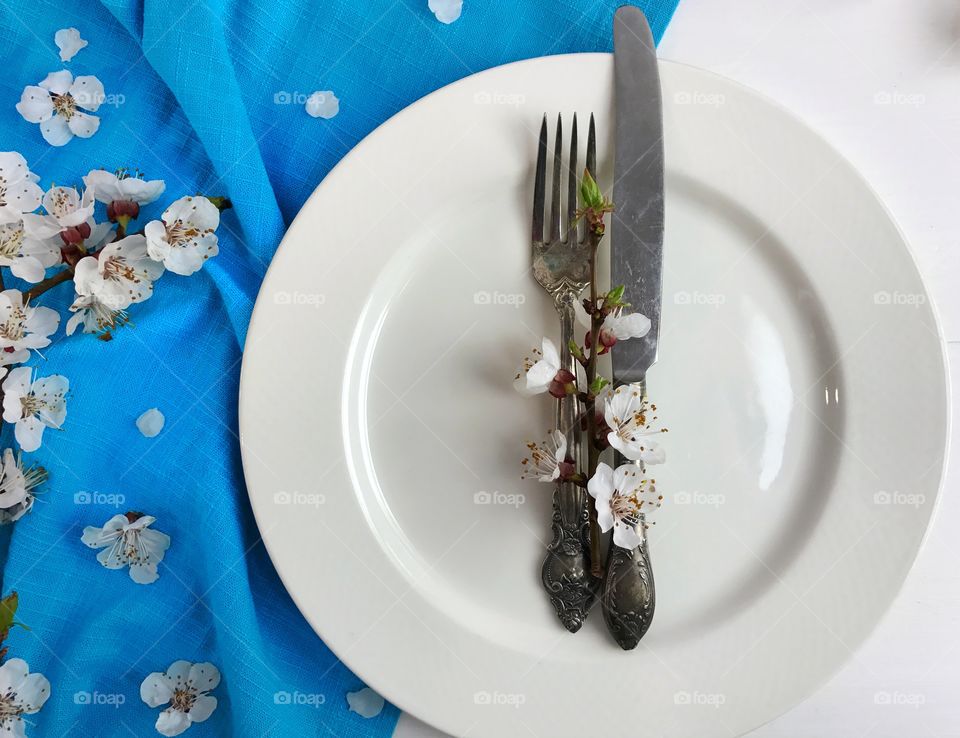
(628, 598)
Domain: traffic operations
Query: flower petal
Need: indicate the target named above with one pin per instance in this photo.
(322, 104)
(626, 536)
(35, 104)
(58, 82)
(204, 677)
(203, 708)
(55, 131)
(69, 42)
(83, 125)
(172, 722)
(33, 692)
(145, 573)
(28, 269)
(29, 433)
(155, 690)
(88, 92)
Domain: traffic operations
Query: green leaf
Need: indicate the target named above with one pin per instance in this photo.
(575, 349)
(598, 384)
(8, 610)
(590, 193)
(614, 296)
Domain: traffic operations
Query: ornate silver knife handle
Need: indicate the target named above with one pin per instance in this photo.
(566, 569)
(629, 597)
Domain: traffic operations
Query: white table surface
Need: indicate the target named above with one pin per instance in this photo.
(880, 80)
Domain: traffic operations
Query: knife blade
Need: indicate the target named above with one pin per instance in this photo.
(636, 239)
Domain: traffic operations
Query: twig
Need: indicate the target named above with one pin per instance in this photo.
(40, 287)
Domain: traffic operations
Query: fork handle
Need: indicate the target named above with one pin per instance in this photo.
(566, 568)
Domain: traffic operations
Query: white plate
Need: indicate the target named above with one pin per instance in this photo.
(801, 375)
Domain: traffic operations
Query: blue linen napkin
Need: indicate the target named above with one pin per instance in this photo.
(208, 95)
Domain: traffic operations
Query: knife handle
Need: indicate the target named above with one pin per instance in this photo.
(566, 569)
(629, 597)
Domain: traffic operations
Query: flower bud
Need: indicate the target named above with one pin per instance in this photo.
(563, 384)
(119, 209)
(75, 235)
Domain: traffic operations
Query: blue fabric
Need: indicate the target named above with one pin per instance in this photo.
(210, 103)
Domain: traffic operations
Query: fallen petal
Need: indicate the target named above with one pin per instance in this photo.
(323, 104)
(151, 422)
(366, 703)
(69, 42)
(446, 11)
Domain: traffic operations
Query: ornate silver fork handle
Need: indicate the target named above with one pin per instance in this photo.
(566, 568)
(561, 264)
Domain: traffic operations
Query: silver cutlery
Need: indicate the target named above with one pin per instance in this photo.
(628, 598)
(561, 264)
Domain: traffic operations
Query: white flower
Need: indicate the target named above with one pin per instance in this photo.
(19, 191)
(13, 485)
(185, 237)
(69, 216)
(446, 11)
(122, 273)
(623, 327)
(23, 327)
(626, 413)
(120, 186)
(545, 458)
(538, 372)
(323, 104)
(16, 487)
(97, 313)
(28, 257)
(57, 104)
(33, 405)
(616, 326)
(622, 497)
(127, 540)
(21, 693)
(69, 42)
(184, 687)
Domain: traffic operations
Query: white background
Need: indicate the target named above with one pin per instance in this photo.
(880, 80)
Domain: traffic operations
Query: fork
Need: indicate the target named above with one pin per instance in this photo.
(561, 264)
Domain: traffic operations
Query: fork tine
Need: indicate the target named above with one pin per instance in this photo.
(592, 149)
(555, 216)
(571, 226)
(540, 183)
